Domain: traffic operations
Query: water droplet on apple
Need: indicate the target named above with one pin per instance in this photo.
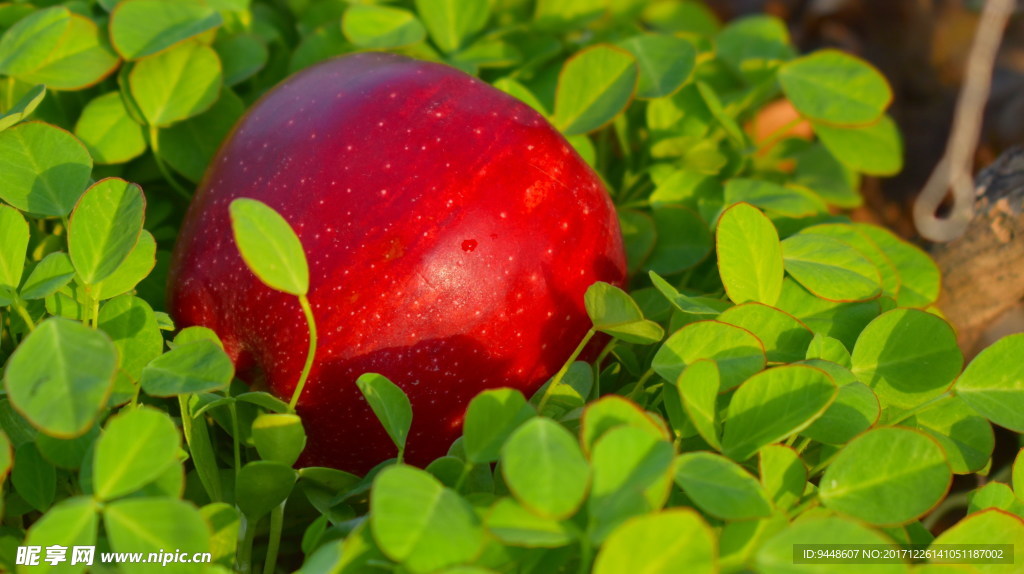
(469, 245)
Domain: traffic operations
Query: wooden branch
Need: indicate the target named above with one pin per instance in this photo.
(983, 270)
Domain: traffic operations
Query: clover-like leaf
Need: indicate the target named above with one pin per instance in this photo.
(390, 404)
(909, 474)
(60, 375)
(595, 85)
(105, 227)
(136, 447)
(749, 255)
(269, 246)
(614, 312)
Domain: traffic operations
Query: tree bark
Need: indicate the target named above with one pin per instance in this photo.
(983, 270)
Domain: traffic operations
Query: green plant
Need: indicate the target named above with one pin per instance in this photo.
(807, 390)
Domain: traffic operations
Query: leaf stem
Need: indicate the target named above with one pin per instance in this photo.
(555, 380)
(276, 525)
(311, 322)
(246, 535)
(23, 313)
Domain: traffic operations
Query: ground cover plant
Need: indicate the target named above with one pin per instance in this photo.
(774, 374)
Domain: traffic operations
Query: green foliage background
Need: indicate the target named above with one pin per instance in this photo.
(777, 374)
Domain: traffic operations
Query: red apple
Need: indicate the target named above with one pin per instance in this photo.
(451, 233)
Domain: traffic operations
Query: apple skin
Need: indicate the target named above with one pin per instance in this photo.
(451, 233)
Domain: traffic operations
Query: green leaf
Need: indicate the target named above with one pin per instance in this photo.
(390, 404)
(23, 108)
(452, 22)
(269, 246)
(279, 437)
(27, 44)
(698, 388)
(197, 436)
(376, 27)
(721, 487)
(33, 477)
(836, 88)
(691, 16)
(43, 169)
(131, 325)
(139, 28)
(263, 485)
(754, 46)
(818, 170)
(991, 526)
(60, 375)
(1017, 473)
(665, 63)
(772, 197)
(614, 312)
(683, 239)
(993, 381)
(907, 476)
(717, 109)
(224, 521)
(701, 306)
(136, 267)
(14, 238)
(994, 495)
(775, 555)
(774, 404)
(543, 467)
(58, 48)
(611, 411)
(674, 540)
(71, 523)
(156, 524)
(749, 255)
(105, 227)
(564, 14)
(632, 474)
(784, 337)
(876, 149)
(830, 269)
(855, 409)
(5, 455)
(850, 235)
(516, 526)
(783, 475)
(49, 275)
(595, 85)
(638, 237)
(176, 84)
(491, 417)
(842, 321)
(189, 146)
(907, 357)
(136, 447)
(196, 367)
(420, 523)
(109, 133)
(965, 435)
(738, 352)
(919, 280)
(828, 349)
(242, 55)
(569, 394)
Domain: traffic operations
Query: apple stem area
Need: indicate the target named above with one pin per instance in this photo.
(311, 322)
(555, 380)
